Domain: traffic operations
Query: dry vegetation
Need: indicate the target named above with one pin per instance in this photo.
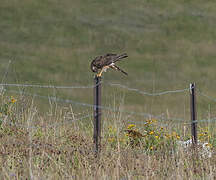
(52, 146)
(170, 44)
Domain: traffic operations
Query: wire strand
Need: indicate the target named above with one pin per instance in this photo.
(208, 97)
(147, 115)
(49, 86)
(92, 86)
(147, 93)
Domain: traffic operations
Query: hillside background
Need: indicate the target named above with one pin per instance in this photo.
(170, 44)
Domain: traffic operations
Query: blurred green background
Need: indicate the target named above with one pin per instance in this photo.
(170, 44)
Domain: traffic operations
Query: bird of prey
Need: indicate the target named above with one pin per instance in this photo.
(101, 63)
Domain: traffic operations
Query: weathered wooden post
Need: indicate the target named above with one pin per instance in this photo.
(193, 113)
(97, 114)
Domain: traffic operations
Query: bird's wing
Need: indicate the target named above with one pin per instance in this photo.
(121, 56)
(109, 58)
(112, 58)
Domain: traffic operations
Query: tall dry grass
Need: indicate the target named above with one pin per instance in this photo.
(53, 146)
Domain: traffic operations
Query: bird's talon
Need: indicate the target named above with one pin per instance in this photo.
(98, 75)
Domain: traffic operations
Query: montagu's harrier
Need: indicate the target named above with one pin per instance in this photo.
(101, 63)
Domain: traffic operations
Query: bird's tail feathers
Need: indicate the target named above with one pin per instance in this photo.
(124, 55)
(117, 68)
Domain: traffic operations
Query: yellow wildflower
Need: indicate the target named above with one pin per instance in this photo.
(13, 100)
(152, 132)
(156, 137)
(130, 126)
(151, 148)
(201, 134)
(177, 136)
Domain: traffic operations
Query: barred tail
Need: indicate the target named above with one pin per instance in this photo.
(117, 68)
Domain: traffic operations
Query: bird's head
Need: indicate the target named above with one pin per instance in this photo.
(94, 68)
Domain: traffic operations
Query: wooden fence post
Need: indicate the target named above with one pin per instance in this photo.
(193, 113)
(97, 114)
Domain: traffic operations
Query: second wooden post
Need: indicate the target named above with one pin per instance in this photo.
(193, 114)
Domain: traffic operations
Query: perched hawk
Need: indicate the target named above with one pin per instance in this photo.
(101, 63)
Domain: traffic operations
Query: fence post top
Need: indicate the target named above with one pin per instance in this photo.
(97, 77)
(192, 86)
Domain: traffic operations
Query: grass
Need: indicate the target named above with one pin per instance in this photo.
(52, 146)
(170, 44)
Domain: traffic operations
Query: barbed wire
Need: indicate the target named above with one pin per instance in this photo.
(49, 86)
(93, 86)
(204, 95)
(212, 120)
(205, 120)
(147, 115)
(147, 93)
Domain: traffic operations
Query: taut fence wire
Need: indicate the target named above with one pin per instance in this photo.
(47, 86)
(68, 101)
(147, 93)
(98, 106)
(206, 96)
(143, 114)
(93, 86)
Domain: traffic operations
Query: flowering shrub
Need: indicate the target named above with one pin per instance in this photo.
(152, 137)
